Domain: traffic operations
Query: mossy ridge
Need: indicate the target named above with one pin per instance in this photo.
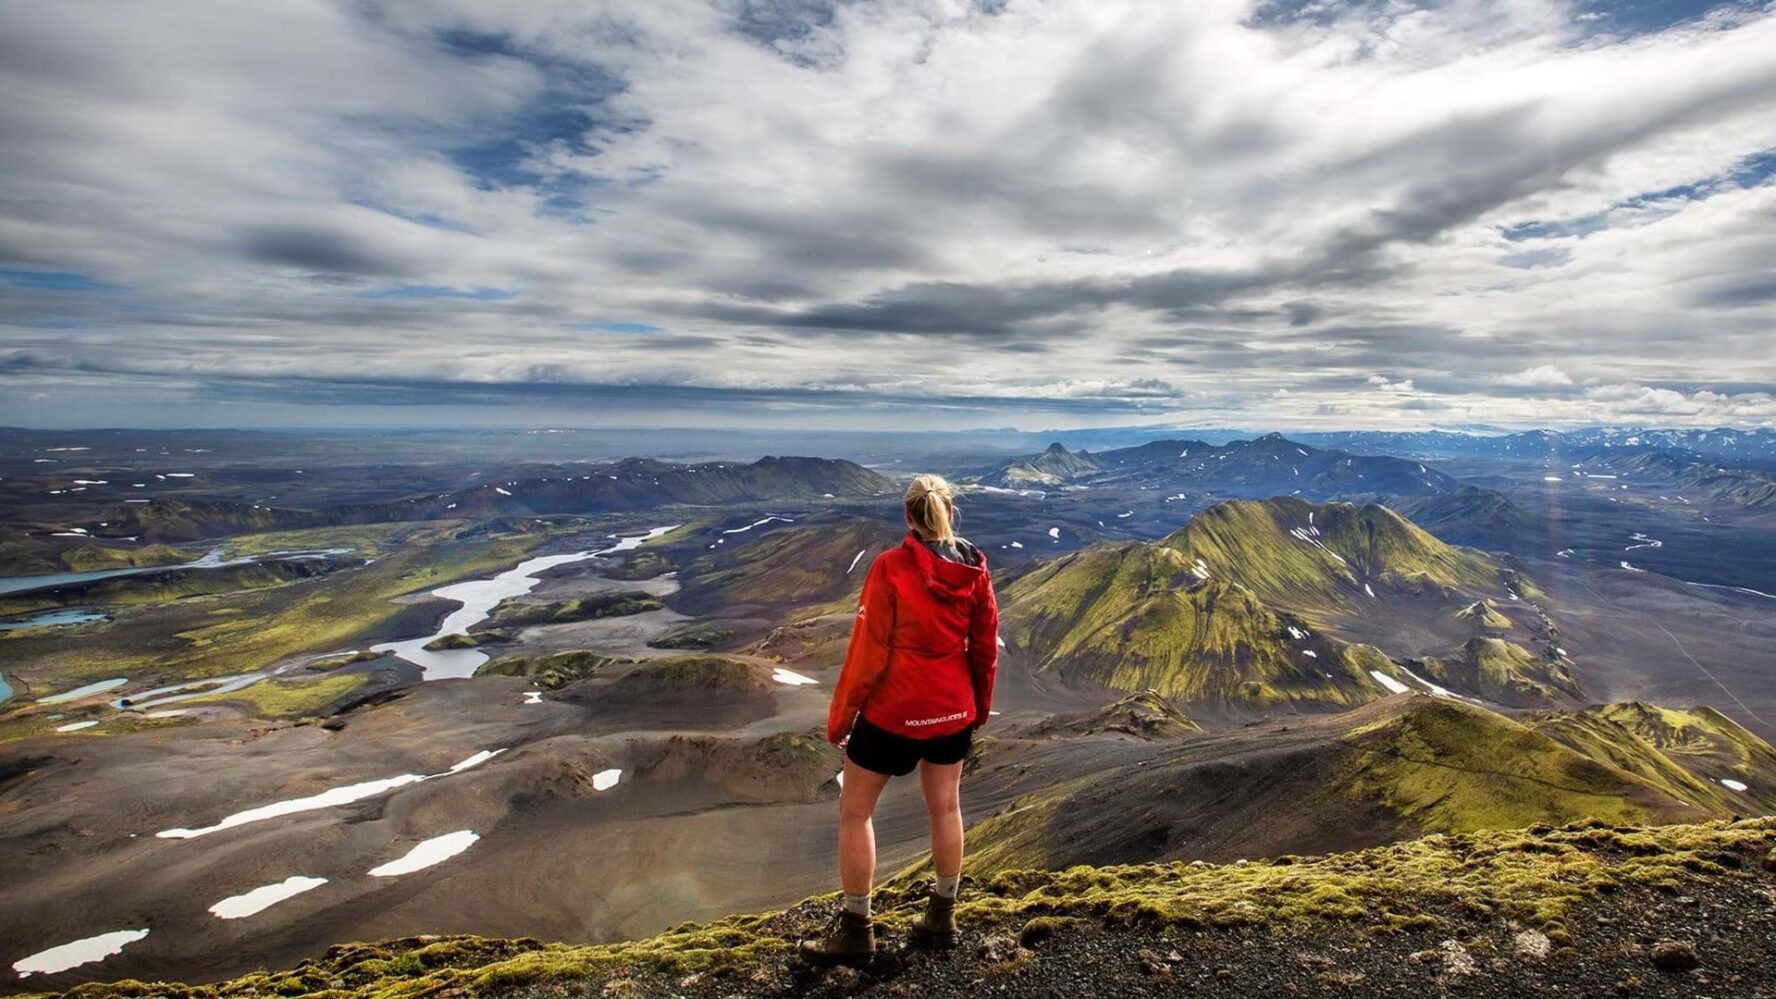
(1452, 767)
(1682, 752)
(1534, 876)
(90, 557)
(1144, 715)
(1485, 614)
(682, 673)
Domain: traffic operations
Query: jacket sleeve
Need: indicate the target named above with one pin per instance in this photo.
(866, 660)
(983, 651)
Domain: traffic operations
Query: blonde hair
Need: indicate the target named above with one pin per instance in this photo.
(929, 504)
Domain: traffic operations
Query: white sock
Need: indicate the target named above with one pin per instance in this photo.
(947, 886)
(859, 904)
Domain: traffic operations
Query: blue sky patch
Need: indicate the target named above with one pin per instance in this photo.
(614, 327)
(52, 280)
(441, 291)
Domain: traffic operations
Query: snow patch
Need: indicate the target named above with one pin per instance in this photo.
(1393, 686)
(427, 854)
(73, 955)
(264, 897)
(326, 799)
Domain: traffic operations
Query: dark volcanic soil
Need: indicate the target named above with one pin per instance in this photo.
(1730, 924)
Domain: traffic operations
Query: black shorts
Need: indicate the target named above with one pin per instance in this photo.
(874, 748)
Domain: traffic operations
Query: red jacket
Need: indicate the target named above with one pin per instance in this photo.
(924, 648)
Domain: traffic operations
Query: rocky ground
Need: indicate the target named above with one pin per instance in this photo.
(1583, 910)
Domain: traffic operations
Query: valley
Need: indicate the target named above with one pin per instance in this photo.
(588, 696)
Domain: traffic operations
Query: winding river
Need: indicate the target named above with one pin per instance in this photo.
(478, 598)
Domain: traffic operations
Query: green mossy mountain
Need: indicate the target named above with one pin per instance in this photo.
(1315, 559)
(550, 671)
(1452, 767)
(1244, 605)
(518, 612)
(1484, 615)
(1136, 616)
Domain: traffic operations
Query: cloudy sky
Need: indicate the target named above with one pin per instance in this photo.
(911, 213)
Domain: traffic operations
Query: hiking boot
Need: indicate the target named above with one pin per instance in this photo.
(852, 941)
(937, 927)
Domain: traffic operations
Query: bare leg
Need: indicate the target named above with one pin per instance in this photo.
(857, 836)
(943, 801)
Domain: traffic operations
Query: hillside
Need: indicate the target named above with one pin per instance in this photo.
(788, 565)
(1482, 518)
(1502, 672)
(1402, 767)
(1689, 754)
(1580, 908)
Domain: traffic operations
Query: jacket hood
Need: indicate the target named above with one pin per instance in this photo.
(950, 580)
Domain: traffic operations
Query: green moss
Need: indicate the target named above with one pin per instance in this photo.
(1532, 877)
(472, 640)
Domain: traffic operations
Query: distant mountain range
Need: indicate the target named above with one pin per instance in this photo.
(1753, 447)
(1264, 466)
(628, 485)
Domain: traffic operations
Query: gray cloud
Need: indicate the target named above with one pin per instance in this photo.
(1073, 207)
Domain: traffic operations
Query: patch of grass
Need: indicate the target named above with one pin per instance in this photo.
(516, 612)
(290, 699)
(472, 640)
(551, 671)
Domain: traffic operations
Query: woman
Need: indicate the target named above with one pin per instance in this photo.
(917, 682)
